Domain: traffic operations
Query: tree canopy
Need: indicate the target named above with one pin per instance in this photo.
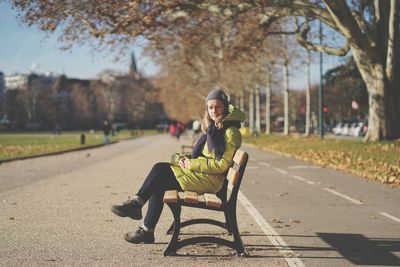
(369, 29)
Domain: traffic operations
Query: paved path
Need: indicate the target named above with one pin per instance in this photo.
(55, 211)
(62, 216)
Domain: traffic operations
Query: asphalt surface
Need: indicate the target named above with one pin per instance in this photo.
(62, 217)
(54, 211)
(327, 217)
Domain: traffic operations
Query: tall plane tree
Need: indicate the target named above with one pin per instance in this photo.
(371, 32)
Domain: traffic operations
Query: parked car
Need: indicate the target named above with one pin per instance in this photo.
(345, 129)
(351, 128)
(338, 128)
(360, 129)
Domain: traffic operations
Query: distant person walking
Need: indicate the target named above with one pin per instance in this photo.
(172, 129)
(106, 131)
(180, 128)
(203, 172)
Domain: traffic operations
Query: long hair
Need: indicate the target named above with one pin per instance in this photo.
(217, 136)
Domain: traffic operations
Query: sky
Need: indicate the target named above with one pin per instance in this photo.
(24, 49)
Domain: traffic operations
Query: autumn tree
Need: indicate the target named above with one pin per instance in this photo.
(198, 61)
(222, 32)
(371, 33)
(370, 30)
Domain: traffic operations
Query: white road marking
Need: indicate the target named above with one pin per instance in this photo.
(252, 159)
(343, 196)
(252, 167)
(390, 216)
(304, 167)
(302, 179)
(273, 236)
(299, 178)
(280, 170)
(265, 164)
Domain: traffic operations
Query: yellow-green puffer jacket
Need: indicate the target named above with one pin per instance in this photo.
(206, 173)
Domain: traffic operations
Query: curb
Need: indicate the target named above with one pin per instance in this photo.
(56, 152)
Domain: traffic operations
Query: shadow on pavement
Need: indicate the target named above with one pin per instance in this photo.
(364, 251)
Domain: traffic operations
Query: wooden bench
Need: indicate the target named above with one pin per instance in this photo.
(220, 202)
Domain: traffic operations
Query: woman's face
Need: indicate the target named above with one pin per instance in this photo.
(215, 108)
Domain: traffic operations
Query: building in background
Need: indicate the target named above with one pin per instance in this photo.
(22, 81)
(16, 81)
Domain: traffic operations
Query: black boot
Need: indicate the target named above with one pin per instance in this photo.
(140, 236)
(131, 208)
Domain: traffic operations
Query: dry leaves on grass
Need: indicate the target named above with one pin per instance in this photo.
(375, 160)
(7, 152)
(383, 172)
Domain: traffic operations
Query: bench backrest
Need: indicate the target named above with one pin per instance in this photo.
(236, 172)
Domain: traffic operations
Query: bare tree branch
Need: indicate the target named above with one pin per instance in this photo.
(301, 37)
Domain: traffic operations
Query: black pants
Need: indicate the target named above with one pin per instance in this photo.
(160, 179)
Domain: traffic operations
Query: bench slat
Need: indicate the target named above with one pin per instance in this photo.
(233, 176)
(239, 157)
(201, 199)
(212, 200)
(191, 197)
(181, 195)
(171, 196)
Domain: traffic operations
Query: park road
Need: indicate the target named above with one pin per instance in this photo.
(327, 217)
(55, 211)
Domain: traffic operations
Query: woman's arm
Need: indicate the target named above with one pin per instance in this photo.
(212, 165)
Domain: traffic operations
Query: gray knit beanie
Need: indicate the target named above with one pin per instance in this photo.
(218, 94)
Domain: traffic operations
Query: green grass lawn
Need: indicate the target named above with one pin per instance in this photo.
(374, 160)
(16, 145)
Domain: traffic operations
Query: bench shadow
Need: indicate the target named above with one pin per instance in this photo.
(361, 250)
(355, 248)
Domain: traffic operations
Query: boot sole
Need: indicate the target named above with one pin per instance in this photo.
(121, 214)
(145, 242)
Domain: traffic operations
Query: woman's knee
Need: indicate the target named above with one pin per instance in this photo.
(161, 166)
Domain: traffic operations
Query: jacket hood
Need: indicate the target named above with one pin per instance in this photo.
(235, 114)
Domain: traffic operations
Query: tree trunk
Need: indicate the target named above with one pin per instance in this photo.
(383, 98)
(286, 98)
(268, 103)
(241, 100)
(384, 119)
(308, 95)
(257, 109)
(251, 111)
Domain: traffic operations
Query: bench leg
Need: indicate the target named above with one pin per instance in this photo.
(239, 246)
(173, 243)
(228, 223)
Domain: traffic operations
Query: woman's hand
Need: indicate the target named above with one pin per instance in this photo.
(218, 120)
(184, 163)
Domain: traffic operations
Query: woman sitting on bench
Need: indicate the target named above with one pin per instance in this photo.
(204, 172)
